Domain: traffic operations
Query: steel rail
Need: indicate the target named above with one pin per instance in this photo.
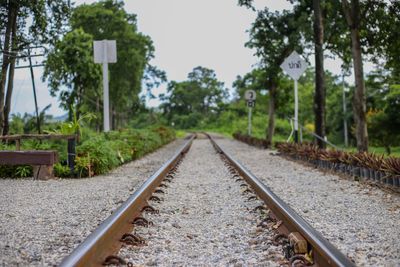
(105, 240)
(324, 253)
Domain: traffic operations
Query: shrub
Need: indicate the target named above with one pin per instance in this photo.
(17, 171)
(98, 153)
(61, 170)
(102, 156)
(23, 171)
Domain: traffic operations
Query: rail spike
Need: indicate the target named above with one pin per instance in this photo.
(113, 260)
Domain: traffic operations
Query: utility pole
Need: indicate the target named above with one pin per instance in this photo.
(34, 91)
(31, 66)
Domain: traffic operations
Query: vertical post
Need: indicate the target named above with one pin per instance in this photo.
(34, 91)
(301, 135)
(106, 111)
(249, 127)
(346, 138)
(71, 154)
(296, 113)
(18, 144)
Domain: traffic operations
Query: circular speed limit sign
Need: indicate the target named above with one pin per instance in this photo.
(250, 95)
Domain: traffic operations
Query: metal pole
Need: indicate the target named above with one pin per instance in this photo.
(296, 113)
(346, 138)
(71, 154)
(249, 128)
(106, 111)
(34, 91)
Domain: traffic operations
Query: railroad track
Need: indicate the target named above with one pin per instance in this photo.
(300, 244)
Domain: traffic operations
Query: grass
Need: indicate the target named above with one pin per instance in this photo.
(377, 150)
(180, 133)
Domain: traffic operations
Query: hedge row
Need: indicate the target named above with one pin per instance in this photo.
(105, 152)
(102, 152)
(358, 164)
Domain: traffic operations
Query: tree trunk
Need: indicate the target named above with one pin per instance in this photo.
(352, 15)
(271, 113)
(6, 50)
(320, 92)
(7, 106)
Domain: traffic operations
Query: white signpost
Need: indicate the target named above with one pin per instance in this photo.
(105, 52)
(250, 96)
(294, 65)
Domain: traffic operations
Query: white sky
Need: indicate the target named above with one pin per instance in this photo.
(186, 34)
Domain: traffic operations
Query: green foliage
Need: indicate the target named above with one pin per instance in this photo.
(61, 170)
(16, 171)
(384, 125)
(108, 19)
(23, 171)
(100, 154)
(47, 20)
(83, 166)
(71, 64)
(75, 126)
(202, 95)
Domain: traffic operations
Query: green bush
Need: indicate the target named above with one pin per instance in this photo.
(97, 153)
(61, 170)
(102, 156)
(17, 171)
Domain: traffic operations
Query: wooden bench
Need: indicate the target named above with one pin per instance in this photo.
(41, 160)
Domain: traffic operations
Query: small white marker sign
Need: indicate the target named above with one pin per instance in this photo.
(105, 51)
(294, 65)
(250, 95)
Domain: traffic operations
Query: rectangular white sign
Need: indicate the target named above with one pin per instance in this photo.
(105, 51)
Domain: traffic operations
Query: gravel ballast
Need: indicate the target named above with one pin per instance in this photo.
(204, 220)
(360, 220)
(43, 221)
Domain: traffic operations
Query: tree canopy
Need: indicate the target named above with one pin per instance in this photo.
(98, 21)
(200, 96)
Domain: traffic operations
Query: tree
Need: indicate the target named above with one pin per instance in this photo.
(385, 123)
(201, 95)
(274, 36)
(108, 20)
(70, 65)
(332, 32)
(320, 92)
(46, 24)
(353, 17)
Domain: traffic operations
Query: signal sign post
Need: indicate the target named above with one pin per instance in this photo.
(250, 96)
(294, 65)
(105, 52)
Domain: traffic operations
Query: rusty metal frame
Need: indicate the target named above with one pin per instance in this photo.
(105, 240)
(324, 253)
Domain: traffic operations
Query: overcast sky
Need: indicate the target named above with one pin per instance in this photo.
(186, 34)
